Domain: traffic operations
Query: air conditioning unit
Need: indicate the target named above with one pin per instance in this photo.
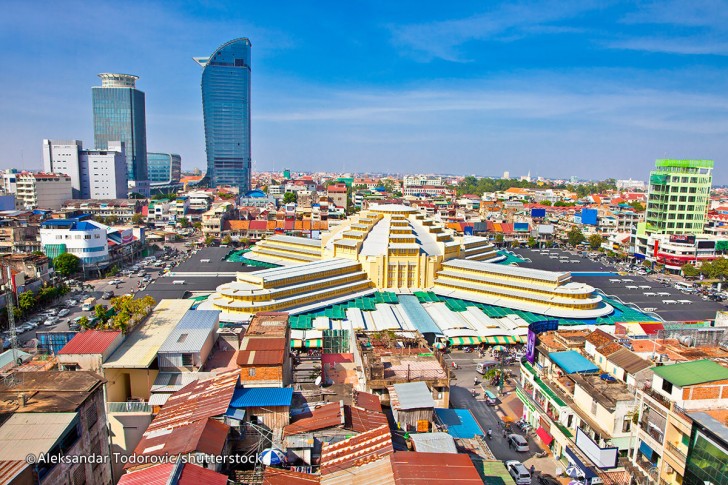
(670, 470)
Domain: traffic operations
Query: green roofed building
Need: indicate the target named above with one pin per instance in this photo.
(692, 373)
(678, 196)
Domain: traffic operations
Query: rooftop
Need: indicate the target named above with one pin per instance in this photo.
(252, 397)
(629, 361)
(606, 393)
(268, 324)
(356, 451)
(49, 391)
(36, 433)
(414, 395)
(322, 417)
(572, 362)
(411, 468)
(141, 346)
(692, 373)
(163, 474)
(90, 342)
(433, 443)
(192, 331)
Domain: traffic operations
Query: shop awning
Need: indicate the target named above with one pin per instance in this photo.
(314, 343)
(465, 340)
(646, 450)
(296, 344)
(498, 340)
(544, 435)
(571, 456)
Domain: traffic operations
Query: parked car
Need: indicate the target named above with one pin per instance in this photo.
(107, 295)
(50, 322)
(517, 442)
(64, 312)
(71, 303)
(519, 472)
(52, 311)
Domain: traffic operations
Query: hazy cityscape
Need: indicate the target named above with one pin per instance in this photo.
(364, 246)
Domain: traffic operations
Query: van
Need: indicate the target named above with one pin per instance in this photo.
(490, 398)
(683, 286)
(178, 282)
(485, 366)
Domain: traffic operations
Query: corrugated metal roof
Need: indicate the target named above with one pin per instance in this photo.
(433, 443)
(691, 373)
(158, 399)
(460, 423)
(629, 361)
(414, 395)
(90, 342)
(10, 469)
(174, 381)
(141, 346)
(253, 397)
(276, 476)
(326, 416)
(263, 343)
(36, 433)
(367, 401)
(191, 332)
(202, 436)
(361, 420)
(572, 362)
(160, 474)
(260, 357)
(411, 468)
(356, 451)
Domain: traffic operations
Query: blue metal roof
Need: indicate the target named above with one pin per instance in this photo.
(460, 422)
(253, 397)
(192, 331)
(572, 362)
(84, 226)
(199, 319)
(418, 315)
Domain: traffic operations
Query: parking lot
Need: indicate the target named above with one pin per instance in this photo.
(60, 317)
(645, 292)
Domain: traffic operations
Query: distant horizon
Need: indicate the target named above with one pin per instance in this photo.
(562, 89)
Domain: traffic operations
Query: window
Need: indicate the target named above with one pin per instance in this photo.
(186, 360)
(667, 386)
(594, 407)
(626, 424)
(251, 372)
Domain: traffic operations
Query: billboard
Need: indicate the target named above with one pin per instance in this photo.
(538, 213)
(520, 226)
(533, 330)
(468, 230)
(682, 238)
(706, 244)
(480, 227)
(589, 216)
(127, 236)
(601, 457)
(545, 228)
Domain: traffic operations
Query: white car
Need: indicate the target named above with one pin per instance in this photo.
(50, 322)
(519, 472)
(64, 312)
(517, 442)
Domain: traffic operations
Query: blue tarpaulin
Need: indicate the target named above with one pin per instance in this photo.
(460, 423)
(572, 362)
(646, 450)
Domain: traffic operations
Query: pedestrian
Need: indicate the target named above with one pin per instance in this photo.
(533, 469)
(505, 433)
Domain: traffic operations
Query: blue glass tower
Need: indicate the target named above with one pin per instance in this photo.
(119, 115)
(226, 110)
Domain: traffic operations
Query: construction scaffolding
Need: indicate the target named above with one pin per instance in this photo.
(335, 341)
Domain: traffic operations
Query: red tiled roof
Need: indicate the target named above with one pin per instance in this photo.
(276, 476)
(258, 225)
(599, 338)
(260, 357)
(337, 358)
(159, 475)
(90, 342)
(326, 416)
(412, 468)
(356, 451)
(362, 420)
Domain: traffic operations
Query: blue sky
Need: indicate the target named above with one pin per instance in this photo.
(591, 89)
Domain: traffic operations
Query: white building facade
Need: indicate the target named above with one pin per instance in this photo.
(42, 190)
(84, 239)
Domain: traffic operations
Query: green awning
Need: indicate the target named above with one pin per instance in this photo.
(525, 399)
(549, 393)
(530, 368)
(314, 343)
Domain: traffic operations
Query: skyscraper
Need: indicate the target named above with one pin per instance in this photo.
(119, 115)
(226, 110)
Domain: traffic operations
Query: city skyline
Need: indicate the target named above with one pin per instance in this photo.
(558, 89)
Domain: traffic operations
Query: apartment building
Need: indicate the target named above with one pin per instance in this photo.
(42, 190)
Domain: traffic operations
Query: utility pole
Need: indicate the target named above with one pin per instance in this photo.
(9, 307)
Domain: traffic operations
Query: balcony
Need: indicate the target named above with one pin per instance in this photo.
(676, 451)
(128, 407)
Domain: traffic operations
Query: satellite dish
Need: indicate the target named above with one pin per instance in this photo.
(318, 381)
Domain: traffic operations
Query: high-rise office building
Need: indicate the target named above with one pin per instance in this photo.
(95, 174)
(678, 197)
(119, 115)
(164, 168)
(226, 110)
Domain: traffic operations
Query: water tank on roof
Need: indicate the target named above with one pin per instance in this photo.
(687, 341)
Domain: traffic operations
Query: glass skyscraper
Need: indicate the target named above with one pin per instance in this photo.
(164, 167)
(119, 115)
(226, 110)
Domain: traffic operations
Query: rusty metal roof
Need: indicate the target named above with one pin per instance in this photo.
(356, 451)
(276, 476)
(322, 417)
(412, 468)
(367, 401)
(276, 343)
(10, 469)
(260, 357)
(203, 436)
(160, 475)
(271, 324)
(361, 420)
(198, 400)
(49, 391)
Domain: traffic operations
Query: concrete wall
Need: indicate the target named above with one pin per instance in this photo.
(126, 431)
(140, 381)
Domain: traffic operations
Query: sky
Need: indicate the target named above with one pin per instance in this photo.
(564, 88)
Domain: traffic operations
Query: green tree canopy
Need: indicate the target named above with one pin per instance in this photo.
(289, 197)
(689, 270)
(66, 264)
(27, 301)
(137, 219)
(595, 241)
(532, 243)
(575, 236)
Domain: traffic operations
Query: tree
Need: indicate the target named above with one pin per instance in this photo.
(595, 241)
(637, 206)
(66, 264)
(689, 270)
(197, 225)
(289, 197)
(499, 237)
(227, 240)
(136, 195)
(137, 219)
(100, 313)
(83, 322)
(27, 301)
(113, 271)
(183, 223)
(575, 236)
(209, 240)
(245, 242)
(546, 203)
(532, 243)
